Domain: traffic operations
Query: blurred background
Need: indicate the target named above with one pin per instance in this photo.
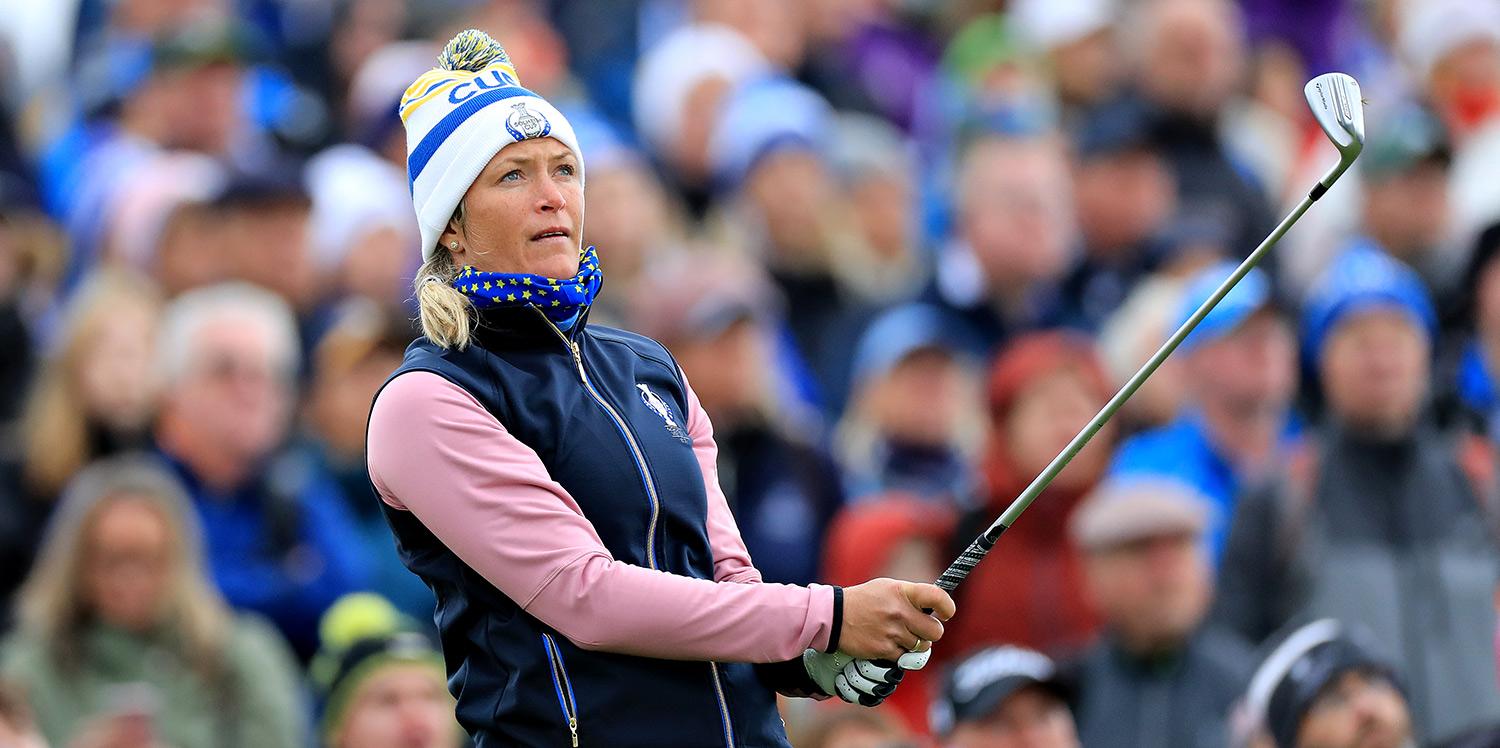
(903, 249)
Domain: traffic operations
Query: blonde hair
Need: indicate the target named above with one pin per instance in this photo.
(442, 309)
(55, 424)
(52, 604)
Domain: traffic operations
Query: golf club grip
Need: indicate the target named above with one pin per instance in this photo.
(959, 570)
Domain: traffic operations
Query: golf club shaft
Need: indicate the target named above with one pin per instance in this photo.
(961, 566)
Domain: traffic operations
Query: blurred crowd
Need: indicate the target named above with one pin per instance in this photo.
(903, 249)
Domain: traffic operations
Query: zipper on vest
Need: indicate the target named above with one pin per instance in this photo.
(563, 686)
(635, 448)
(713, 668)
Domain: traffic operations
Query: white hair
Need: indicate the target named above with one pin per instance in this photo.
(240, 302)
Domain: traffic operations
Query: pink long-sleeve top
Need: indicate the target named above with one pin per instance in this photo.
(436, 452)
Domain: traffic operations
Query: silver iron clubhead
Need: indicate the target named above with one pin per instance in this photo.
(1336, 104)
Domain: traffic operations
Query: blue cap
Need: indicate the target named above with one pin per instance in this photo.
(764, 116)
(1359, 280)
(899, 333)
(1250, 295)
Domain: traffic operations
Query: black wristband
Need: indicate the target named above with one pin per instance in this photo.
(838, 620)
(789, 678)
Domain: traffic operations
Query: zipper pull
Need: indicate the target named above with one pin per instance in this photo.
(573, 728)
(577, 354)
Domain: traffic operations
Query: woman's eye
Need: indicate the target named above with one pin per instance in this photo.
(566, 169)
(511, 176)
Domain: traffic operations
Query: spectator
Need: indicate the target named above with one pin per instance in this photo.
(97, 394)
(1129, 337)
(1406, 208)
(381, 682)
(1125, 194)
(632, 217)
(844, 726)
(1239, 373)
(123, 635)
(999, 275)
(279, 537)
(1473, 372)
(913, 421)
(680, 89)
(1158, 677)
(1322, 688)
(264, 239)
(1382, 518)
(350, 364)
(1188, 57)
(1002, 697)
(901, 537)
(876, 168)
(770, 151)
(17, 725)
(717, 315)
(1042, 390)
(1077, 41)
(94, 397)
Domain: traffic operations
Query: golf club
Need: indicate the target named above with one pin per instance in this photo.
(1338, 108)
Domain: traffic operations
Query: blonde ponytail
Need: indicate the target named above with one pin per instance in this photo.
(442, 309)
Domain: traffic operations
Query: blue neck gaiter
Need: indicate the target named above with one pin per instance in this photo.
(562, 300)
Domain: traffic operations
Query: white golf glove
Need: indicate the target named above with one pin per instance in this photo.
(859, 681)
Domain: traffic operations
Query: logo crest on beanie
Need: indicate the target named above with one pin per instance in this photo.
(525, 123)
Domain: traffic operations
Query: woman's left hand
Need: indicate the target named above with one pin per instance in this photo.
(861, 681)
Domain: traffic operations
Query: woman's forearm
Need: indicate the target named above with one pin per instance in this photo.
(436, 452)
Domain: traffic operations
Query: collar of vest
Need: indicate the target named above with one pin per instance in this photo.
(522, 328)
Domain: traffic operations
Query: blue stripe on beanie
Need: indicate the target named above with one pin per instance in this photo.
(434, 138)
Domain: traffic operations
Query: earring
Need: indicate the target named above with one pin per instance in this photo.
(452, 245)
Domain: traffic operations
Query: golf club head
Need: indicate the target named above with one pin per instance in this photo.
(1336, 104)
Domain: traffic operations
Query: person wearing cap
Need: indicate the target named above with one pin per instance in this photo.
(1239, 375)
(718, 314)
(1081, 47)
(1004, 697)
(1125, 194)
(1382, 516)
(1042, 389)
(771, 150)
(1158, 677)
(1322, 687)
(555, 483)
(911, 424)
(380, 680)
(1406, 210)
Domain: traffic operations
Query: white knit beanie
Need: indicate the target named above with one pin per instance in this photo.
(458, 116)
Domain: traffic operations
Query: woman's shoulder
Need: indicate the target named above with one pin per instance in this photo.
(641, 345)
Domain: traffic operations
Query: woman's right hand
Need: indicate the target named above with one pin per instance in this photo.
(883, 618)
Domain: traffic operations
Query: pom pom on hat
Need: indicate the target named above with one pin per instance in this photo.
(472, 50)
(458, 116)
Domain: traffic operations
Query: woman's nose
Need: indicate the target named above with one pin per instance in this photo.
(549, 197)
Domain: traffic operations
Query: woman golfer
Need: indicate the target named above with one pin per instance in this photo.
(554, 482)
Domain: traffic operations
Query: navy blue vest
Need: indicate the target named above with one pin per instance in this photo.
(606, 412)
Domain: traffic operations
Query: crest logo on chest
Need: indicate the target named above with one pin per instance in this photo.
(664, 411)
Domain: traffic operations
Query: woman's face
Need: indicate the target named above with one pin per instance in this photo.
(115, 376)
(1047, 415)
(127, 563)
(523, 213)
